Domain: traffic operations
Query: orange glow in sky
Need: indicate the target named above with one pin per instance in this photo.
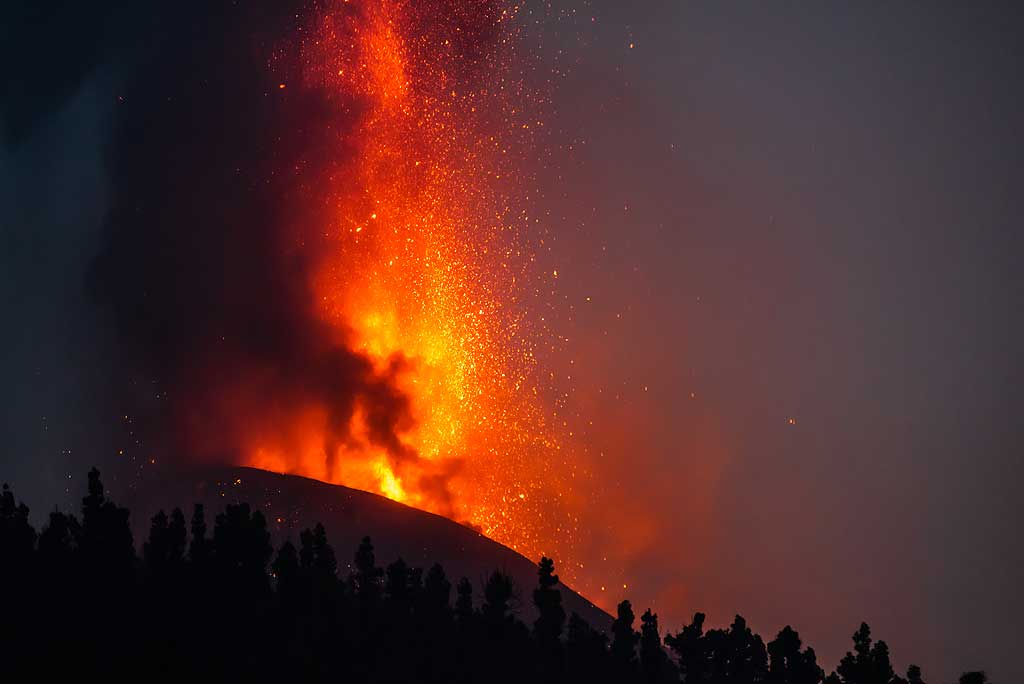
(427, 265)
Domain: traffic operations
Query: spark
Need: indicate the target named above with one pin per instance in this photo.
(433, 294)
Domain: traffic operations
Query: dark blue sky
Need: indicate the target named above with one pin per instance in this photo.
(778, 211)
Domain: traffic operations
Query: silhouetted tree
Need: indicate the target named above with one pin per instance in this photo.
(17, 577)
(238, 582)
(415, 583)
(106, 539)
(654, 663)
(397, 584)
(974, 677)
(293, 587)
(586, 652)
(165, 549)
(154, 551)
(241, 546)
(199, 546)
(624, 639)
(464, 602)
(688, 646)
(547, 628)
(218, 615)
(317, 555)
(914, 675)
(505, 651)
(467, 650)
(201, 591)
(176, 538)
(399, 637)
(367, 576)
(306, 552)
(286, 567)
(869, 663)
(497, 598)
(58, 540)
(164, 591)
(437, 592)
(106, 571)
(735, 655)
(17, 536)
(58, 575)
(790, 665)
(434, 626)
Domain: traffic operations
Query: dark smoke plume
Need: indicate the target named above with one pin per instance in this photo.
(212, 238)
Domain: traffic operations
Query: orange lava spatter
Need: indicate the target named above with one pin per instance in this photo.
(427, 267)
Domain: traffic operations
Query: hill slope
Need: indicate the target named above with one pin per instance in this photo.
(292, 503)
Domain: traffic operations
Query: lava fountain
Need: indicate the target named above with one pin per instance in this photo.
(424, 268)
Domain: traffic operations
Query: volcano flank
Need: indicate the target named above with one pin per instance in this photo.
(292, 503)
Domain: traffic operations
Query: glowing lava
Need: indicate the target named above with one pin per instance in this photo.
(426, 269)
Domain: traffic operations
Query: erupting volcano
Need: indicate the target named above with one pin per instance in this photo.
(422, 266)
(714, 306)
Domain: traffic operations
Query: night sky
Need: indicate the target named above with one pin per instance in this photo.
(787, 244)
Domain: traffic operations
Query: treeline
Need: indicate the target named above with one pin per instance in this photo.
(78, 600)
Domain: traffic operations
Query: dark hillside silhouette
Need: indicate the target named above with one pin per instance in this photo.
(78, 601)
(291, 504)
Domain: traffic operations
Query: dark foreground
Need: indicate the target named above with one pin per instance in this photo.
(78, 600)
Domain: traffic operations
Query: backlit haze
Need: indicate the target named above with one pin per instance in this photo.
(714, 303)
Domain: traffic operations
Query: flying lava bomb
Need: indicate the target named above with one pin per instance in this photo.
(341, 296)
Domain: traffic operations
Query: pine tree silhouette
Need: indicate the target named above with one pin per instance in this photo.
(467, 652)
(869, 663)
(285, 568)
(464, 602)
(176, 539)
(156, 551)
(437, 592)
(59, 540)
(497, 598)
(397, 584)
(222, 613)
(655, 666)
(17, 536)
(586, 652)
(435, 629)
(199, 546)
(241, 542)
(367, 576)
(317, 555)
(506, 639)
(17, 577)
(790, 665)
(624, 640)
(106, 539)
(547, 629)
(914, 675)
(689, 647)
